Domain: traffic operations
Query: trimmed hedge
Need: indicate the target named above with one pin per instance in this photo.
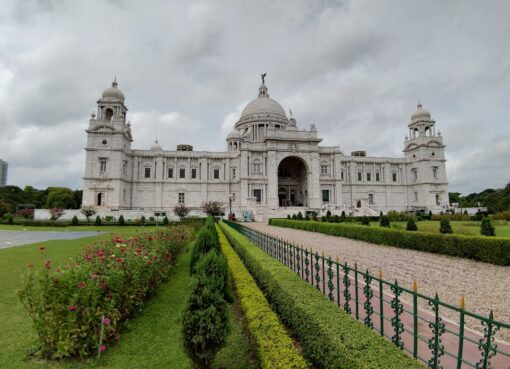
(274, 347)
(330, 338)
(494, 250)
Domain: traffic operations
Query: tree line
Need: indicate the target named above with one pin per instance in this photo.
(494, 200)
(13, 198)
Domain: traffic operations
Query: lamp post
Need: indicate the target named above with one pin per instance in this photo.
(230, 204)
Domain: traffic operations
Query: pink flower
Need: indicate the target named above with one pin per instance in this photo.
(72, 308)
(105, 321)
(100, 253)
(102, 348)
(82, 285)
(93, 276)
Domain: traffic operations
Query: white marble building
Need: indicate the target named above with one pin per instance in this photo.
(271, 167)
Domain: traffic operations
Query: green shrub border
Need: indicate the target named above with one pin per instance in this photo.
(494, 250)
(274, 347)
(330, 338)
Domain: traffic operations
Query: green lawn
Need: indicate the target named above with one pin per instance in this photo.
(470, 228)
(151, 340)
(106, 228)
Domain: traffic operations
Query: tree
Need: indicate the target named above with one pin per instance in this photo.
(384, 221)
(75, 221)
(365, 221)
(444, 226)
(299, 216)
(213, 208)
(343, 215)
(56, 213)
(98, 221)
(5, 207)
(486, 228)
(181, 211)
(411, 224)
(27, 213)
(121, 220)
(60, 197)
(165, 220)
(88, 211)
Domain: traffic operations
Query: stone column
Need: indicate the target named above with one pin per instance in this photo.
(314, 187)
(272, 181)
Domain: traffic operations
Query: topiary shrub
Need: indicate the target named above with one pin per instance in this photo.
(444, 226)
(307, 217)
(98, 221)
(411, 224)
(151, 219)
(165, 220)
(384, 221)
(486, 228)
(336, 218)
(206, 241)
(364, 221)
(299, 216)
(294, 217)
(288, 216)
(343, 215)
(122, 222)
(213, 268)
(142, 220)
(75, 221)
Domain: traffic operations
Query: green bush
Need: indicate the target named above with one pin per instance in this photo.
(288, 216)
(213, 268)
(364, 221)
(343, 215)
(486, 228)
(411, 225)
(165, 220)
(444, 226)
(67, 304)
(108, 218)
(122, 222)
(204, 243)
(494, 250)
(299, 216)
(384, 221)
(329, 337)
(294, 217)
(98, 221)
(204, 323)
(275, 349)
(142, 220)
(75, 221)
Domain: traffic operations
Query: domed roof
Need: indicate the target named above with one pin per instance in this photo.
(234, 134)
(263, 104)
(156, 146)
(420, 113)
(113, 94)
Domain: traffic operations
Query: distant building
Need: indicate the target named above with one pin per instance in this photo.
(3, 173)
(270, 167)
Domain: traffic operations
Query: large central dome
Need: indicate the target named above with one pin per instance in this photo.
(263, 109)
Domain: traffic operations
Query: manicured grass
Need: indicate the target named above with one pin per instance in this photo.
(106, 228)
(468, 228)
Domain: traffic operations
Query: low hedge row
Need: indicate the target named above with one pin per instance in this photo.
(274, 347)
(494, 250)
(330, 338)
(78, 309)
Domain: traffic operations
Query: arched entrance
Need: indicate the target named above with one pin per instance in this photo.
(292, 182)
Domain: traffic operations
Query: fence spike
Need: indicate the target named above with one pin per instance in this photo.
(355, 266)
(415, 286)
(337, 260)
(380, 274)
(322, 253)
(462, 303)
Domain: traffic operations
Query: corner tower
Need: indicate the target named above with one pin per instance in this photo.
(426, 170)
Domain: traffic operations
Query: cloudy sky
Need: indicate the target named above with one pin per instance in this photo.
(187, 68)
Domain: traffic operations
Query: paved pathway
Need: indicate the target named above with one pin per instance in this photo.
(18, 238)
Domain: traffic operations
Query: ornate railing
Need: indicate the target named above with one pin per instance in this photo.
(411, 320)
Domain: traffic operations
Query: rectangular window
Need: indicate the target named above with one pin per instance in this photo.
(181, 197)
(377, 176)
(394, 176)
(257, 168)
(147, 172)
(360, 176)
(434, 172)
(170, 172)
(257, 193)
(415, 174)
(325, 196)
(194, 173)
(233, 173)
(342, 175)
(324, 169)
(182, 173)
(216, 174)
(102, 165)
(371, 198)
(416, 197)
(369, 177)
(124, 167)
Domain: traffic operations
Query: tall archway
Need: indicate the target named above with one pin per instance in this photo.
(292, 182)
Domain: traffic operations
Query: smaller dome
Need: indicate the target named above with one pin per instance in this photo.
(234, 135)
(420, 113)
(113, 94)
(156, 146)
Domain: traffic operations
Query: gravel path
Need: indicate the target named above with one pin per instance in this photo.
(484, 286)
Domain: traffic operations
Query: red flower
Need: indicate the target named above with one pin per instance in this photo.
(138, 251)
(42, 248)
(102, 348)
(150, 238)
(118, 260)
(123, 249)
(105, 321)
(72, 308)
(88, 257)
(118, 240)
(100, 253)
(82, 285)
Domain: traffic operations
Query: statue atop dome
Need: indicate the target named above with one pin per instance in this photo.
(263, 76)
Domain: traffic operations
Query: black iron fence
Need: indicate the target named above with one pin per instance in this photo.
(412, 321)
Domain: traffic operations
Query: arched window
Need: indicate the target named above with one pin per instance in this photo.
(99, 198)
(108, 114)
(427, 131)
(358, 204)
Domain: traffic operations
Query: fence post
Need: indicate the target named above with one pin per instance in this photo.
(317, 270)
(323, 275)
(437, 330)
(337, 281)
(396, 321)
(381, 303)
(486, 344)
(330, 279)
(461, 332)
(356, 297)
(415, 319)
(347, 293)
(367, 291)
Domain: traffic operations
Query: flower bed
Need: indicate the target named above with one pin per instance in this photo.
(494, 250)
(274, 347)
(78, 309)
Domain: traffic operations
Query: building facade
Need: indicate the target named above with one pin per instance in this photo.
(3, 173)
(270, 167)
